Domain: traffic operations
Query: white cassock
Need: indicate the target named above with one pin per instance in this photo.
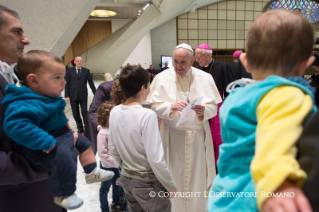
(188, 148)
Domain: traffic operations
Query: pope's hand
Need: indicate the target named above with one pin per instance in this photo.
(178, 106)
(199, 109)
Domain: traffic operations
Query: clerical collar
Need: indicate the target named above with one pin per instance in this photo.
(211, 59)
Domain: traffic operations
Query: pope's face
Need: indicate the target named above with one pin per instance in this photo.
(182, 61)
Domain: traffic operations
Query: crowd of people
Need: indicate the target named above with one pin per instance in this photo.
(237, 137)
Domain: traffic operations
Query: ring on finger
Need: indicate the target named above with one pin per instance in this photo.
(180, 107)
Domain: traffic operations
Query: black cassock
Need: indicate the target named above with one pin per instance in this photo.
(221, 74)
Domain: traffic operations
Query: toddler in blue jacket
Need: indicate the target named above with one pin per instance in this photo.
(35, 120)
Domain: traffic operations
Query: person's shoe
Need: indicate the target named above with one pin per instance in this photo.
(118, 207)
(70, 202)
(98, 175)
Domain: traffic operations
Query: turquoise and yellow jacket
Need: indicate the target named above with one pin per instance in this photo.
(260, 125)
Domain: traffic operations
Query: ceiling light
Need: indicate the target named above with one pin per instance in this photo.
(146, 6)
(103, 13)
(139, 11)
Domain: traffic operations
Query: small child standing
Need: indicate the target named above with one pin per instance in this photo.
(136, 145)
(35, 120)
(262, 121)
(108, 163)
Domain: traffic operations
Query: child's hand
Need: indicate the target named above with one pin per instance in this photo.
(76, 136)
(48, 151)
(172, 194)
(291, 204)
(67, 126)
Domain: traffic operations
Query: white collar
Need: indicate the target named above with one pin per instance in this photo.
(8, 72)
(4, 67)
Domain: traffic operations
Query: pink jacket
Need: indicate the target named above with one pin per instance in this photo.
(103, 149)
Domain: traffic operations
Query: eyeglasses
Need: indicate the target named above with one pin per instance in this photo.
(197, 58)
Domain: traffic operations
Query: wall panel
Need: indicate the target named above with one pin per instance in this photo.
(91, 33)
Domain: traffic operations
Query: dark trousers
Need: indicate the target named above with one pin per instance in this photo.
(138, 195)
(61, 162)
(28, 197)
(117, 191)
(76, 112)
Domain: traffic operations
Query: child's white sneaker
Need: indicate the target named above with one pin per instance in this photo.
(98, 175)
(70, 202)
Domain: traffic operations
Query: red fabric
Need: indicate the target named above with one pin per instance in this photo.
(215, 130)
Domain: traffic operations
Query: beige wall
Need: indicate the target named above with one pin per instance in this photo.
(51, 25)
(91, 33)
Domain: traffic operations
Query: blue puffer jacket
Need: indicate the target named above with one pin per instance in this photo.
(29, 117)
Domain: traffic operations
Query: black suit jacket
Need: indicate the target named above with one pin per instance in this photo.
(75, 87)
(233, 67)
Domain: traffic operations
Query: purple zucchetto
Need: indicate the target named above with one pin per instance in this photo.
(237, 53)
(204, 46)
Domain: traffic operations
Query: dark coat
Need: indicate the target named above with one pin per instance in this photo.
(233, 66)
(75, 87)
(308, 158)
(242, 72)
(221, 74)
(102, 94)
(239, 71)
(23, 186)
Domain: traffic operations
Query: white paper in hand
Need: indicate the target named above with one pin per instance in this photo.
(187, 112)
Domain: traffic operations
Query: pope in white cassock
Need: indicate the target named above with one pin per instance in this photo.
(188, 148)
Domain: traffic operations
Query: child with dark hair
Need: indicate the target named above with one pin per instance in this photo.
(108, 162)
(262, 120)
(135, 144)
(35, 120)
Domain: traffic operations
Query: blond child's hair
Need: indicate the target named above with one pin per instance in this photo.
(103, 113)
(279, 40)
(32, 61)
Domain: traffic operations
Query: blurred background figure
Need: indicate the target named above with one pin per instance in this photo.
(165, 66)
(234, 65)
(152, 72)
(108, 77)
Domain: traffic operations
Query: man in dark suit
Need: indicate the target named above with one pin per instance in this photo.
(76, 91)
(23, 186)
